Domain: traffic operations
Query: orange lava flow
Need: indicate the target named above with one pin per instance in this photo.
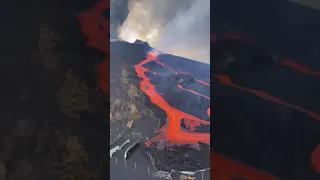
(285, 62)
(227, 81)
(299, 67)
(96, 28)
(223, 168)
(171, 131)
(315, 159)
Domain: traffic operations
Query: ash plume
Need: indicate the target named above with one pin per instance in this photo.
(118, 13)
(178, 27)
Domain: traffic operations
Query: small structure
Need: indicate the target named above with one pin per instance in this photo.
(187, 175)
(130, 123)
(130, 149)
(118, 148)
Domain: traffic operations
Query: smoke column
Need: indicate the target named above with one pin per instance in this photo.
(118, 13)
(178, 27)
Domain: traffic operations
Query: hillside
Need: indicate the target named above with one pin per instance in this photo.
(171, 87)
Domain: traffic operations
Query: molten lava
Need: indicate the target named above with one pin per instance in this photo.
(315, 159)
(96, 27)
(227, 169)
(227, 81)
(299, 67)
(285, 62)
(171, 131)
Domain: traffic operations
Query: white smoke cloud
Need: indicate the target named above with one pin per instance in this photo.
(179, 27)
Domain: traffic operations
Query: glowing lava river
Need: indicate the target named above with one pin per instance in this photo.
(171, 131)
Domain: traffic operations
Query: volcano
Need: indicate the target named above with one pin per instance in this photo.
(176, 90)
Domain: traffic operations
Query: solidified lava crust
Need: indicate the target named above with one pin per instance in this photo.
(180, 157)
(201, 129)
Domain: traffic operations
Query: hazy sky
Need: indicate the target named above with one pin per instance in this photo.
(179, 27)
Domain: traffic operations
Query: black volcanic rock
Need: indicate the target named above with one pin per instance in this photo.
(180, 158)
(141, 42)
(232, 55)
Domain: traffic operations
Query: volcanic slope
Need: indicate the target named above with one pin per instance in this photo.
(166, 88)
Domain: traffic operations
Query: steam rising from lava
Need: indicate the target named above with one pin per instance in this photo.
(179, 27)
